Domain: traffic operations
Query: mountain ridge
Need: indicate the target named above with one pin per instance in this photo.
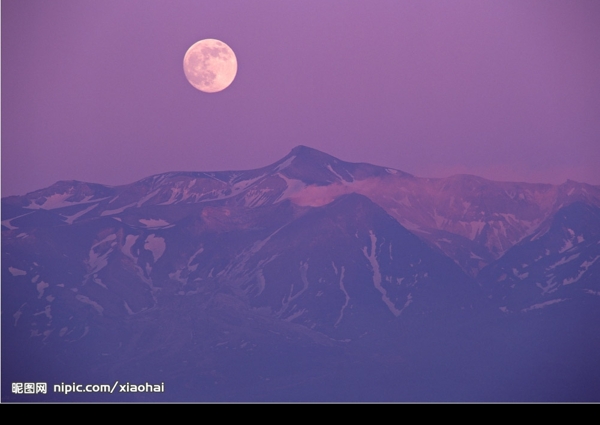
(283, 279)
(492, 215)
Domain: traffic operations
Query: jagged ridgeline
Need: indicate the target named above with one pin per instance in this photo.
(311, 279)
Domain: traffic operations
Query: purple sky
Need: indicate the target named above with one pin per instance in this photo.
(95, 90)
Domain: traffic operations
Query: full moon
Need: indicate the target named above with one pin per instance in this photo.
(210, 65)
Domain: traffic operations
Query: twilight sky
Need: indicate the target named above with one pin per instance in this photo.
(94, 90)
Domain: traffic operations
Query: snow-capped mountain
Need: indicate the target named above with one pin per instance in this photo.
(289, 270)
(472, 220)
(552, 265)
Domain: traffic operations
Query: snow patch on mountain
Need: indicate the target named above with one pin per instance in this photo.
(71, 218)
(176, 195)
(58, 200)
(18, 313)
(16, 272)
(98, 255)
(304, 277)
(291, 297)
(343, 289)
(295, 315)
(549, 288)
(129, 242)
(415, 227)
(118, 210)
(409, 300)
(292, 188)
(475, 228)
(99, 282)
(40, 288)
(156, 245)
(47, 311)
(520, 276)
(588, 264)
(336, 174)
(129, 310)
(261, 281)
(439, 219)
(372, 257)
(581, 271)
(87, 300)
(147, 197)
(317, 196)
(152, 223)
(567, 245)
(406, 202)
(258, 245)
(564, 260)
(285, 163)
(6, 223)
(176, 275)
(241, 185)
(544, 304)
(255, 198)
(191, 266)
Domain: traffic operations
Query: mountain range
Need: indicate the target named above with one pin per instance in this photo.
(311, 279)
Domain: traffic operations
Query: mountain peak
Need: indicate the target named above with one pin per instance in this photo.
(308, 153)
(300, 149)
(315, 167)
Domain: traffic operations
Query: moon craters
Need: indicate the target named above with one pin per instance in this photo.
(210, 65)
